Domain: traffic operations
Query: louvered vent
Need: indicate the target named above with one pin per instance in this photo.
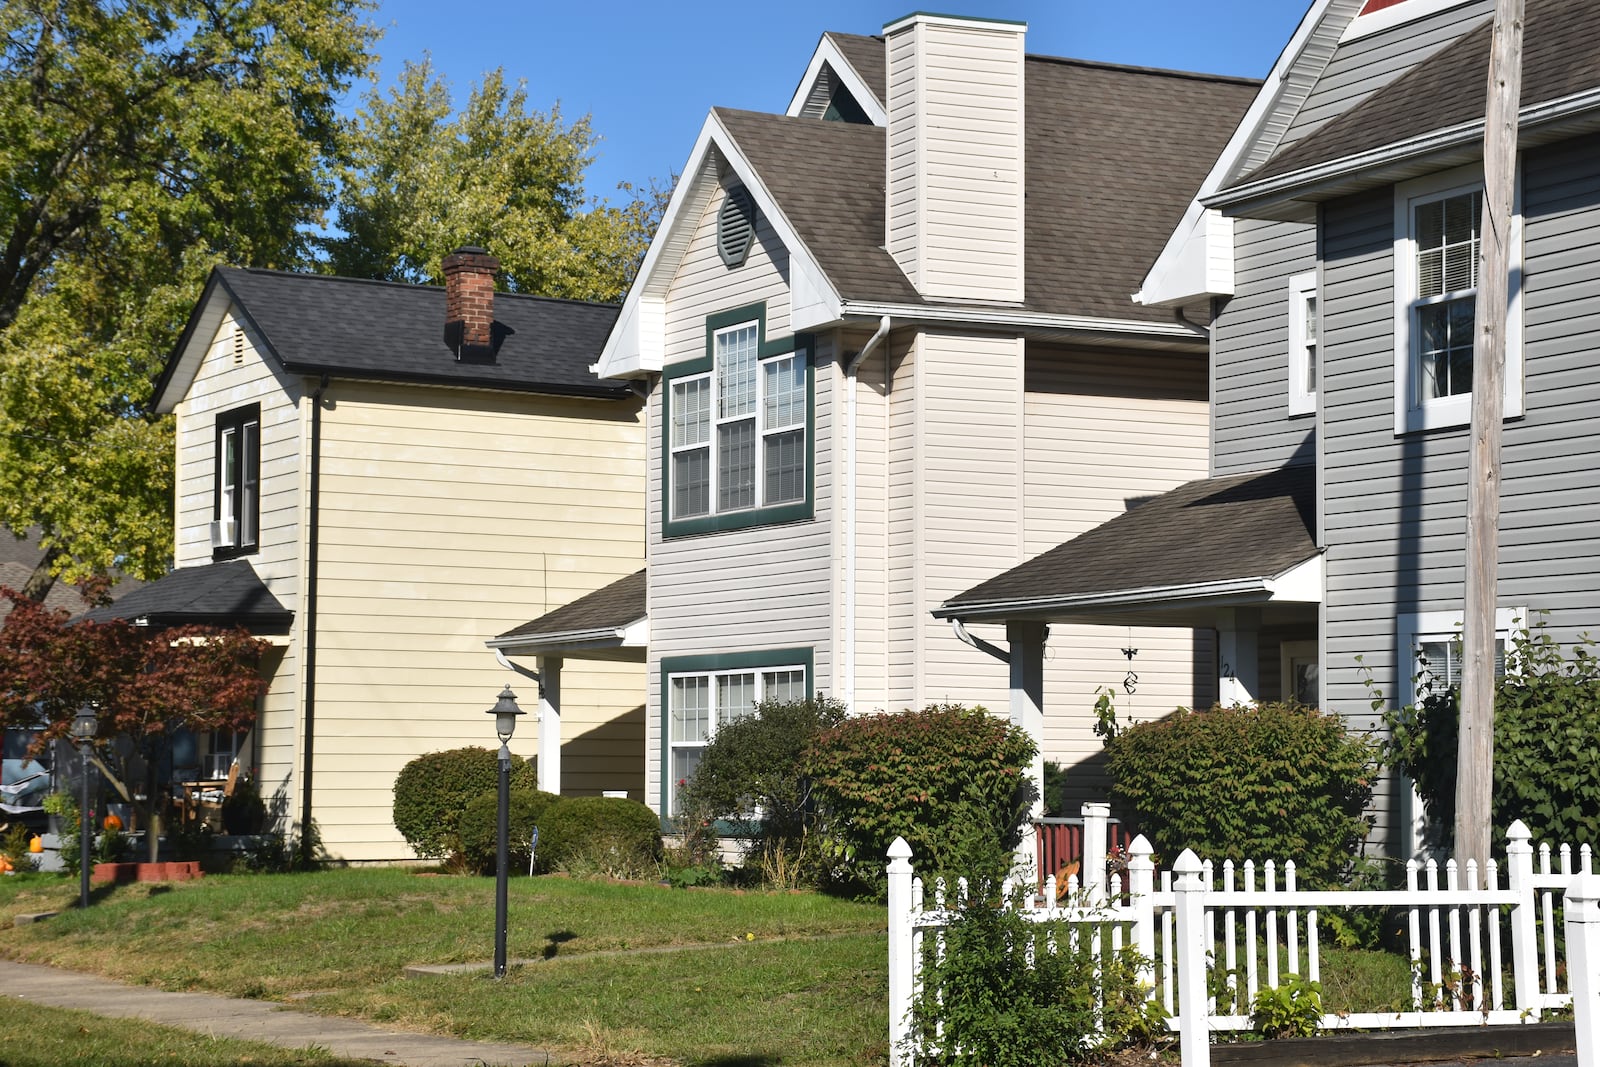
(238, 343)
(736, 226)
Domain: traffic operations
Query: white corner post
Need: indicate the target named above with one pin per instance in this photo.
(1194, 1030)
(1238, 655)
(1141, 888)
(1093, 876)
(1027, 713)
(1583, 964)
(1524, 919)
(901, 954)
(550, 724)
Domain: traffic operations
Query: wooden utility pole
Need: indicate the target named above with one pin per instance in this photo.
(1475, 759)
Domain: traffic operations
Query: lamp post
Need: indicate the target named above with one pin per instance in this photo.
(84, 726)
(505, 712)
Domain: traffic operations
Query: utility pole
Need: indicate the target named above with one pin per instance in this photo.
(1475, 758)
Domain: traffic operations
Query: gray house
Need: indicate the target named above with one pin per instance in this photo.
(1337, 238)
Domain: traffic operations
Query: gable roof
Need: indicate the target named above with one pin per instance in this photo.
(316, 324)
(1438, 105)
(869, 58)
(20, 555)
(217, 594)
(1211, 538)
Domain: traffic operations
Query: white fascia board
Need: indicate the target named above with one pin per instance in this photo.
(1300, 584)
(635, 635)
(1189, 267)
(828, 53)
(907, 314)
(1258, 587)
(1390, 17)
(208, 319)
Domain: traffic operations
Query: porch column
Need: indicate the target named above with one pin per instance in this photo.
(1027, 712)
(550, 724)
(1238, 653)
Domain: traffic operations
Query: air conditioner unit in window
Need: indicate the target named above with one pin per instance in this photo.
(222, 533)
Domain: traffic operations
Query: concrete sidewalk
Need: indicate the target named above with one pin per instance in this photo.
(256, 1020)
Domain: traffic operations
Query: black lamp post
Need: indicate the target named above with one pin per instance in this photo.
(84, 726)
(505, 712)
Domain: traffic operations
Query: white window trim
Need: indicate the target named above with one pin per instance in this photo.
(716, 718)
(1288, 652)
(1303, 401)
(1411, 413)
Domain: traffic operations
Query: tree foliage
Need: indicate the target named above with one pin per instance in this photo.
(143, 684)
(423, 182)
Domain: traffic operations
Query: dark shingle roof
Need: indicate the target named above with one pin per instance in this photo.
(20, 555)
(1561, 56)
(348, 327)
(1114, 155)
(1239, 527)
(868, 57)
(611, 607)
(216, 594)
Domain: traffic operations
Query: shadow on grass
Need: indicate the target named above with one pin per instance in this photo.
(737, 1059)
(556, 940)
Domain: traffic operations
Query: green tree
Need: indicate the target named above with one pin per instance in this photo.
(140, 144)
(423, 182)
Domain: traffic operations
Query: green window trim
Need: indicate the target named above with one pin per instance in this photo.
(707, 664)
(803, 348)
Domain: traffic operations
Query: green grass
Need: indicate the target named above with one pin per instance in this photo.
(48, 1037)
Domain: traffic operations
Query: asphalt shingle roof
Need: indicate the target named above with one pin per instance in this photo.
(611, 607)
(869, 58)
(1239, 527)
(348, 327)
(1561, 56)
(228, 593)
(1114, 155)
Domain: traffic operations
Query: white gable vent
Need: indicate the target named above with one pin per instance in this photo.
(736, 226)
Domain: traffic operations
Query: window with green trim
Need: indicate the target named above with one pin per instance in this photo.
(738, 429)
(698, 703)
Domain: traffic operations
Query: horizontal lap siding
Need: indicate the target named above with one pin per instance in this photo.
(1395, 505)
(904, 158)
(1251, 426)
(904, 632)
(447, 518)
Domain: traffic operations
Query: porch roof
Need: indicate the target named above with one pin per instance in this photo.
(1239, 540)
(609, 623)
(229, 593)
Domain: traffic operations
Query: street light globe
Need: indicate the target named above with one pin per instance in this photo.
(85, 725)
(505, 712)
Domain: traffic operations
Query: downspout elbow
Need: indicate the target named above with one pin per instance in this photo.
(979, 643)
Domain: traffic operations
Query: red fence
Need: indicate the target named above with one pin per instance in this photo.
(1060, 846)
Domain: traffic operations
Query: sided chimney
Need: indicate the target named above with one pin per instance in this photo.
(469, 326)
(956, 172)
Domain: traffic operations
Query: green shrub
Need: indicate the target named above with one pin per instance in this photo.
(1270, 781)
(1055, 790)
(434, 789)
(1293, 1009)
(606, 835)
(950, 780)
(758, 763)
(1546, 717)
(480, 829)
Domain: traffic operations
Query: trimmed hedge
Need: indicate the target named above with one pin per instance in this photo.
(433, 790)
(1270, 781)
(949, 779)
(480, 831)
(608, 833)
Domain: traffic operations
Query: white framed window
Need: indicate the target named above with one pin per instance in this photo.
(1298, 673)
(1438, 225)
(236, 506)
(1305, 331)
(698, 702)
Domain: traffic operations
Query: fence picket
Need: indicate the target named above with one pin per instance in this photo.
(1453, 922)
(1292, 937)
(1475, 939)
(1435, 969)
(1547, 906)
(1271, 884)
(1496, 975)
(1252, 983)
(1230, 941)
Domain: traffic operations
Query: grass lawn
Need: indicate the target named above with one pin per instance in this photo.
(770, 978)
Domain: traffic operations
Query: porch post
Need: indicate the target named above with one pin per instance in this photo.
(550, 724)
(1238, 655)
(1027, 712)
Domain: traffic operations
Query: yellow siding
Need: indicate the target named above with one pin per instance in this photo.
(449, 516)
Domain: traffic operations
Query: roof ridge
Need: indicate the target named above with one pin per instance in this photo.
(302, 275)
(1163, 72)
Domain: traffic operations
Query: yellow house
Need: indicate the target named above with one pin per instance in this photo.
(381, 478)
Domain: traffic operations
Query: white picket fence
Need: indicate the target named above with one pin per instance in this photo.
(1240, 929)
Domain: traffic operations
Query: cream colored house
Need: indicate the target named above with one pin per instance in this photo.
(890, 352)
(382, 493)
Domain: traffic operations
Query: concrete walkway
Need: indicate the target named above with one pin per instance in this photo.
(256, 1020)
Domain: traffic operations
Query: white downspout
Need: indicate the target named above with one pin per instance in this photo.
(850, 511)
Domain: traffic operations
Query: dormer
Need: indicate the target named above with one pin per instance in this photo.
(844, 82)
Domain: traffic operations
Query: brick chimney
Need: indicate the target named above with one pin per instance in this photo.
(469, 327)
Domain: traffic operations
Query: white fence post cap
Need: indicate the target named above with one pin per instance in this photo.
(1518, 831)
(1092, 808)
(1141, 846)
(899, 850)
(1187, 863)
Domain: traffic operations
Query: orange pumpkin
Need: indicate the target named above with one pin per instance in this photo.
(113, 822)
(36, 844)
(5, 865)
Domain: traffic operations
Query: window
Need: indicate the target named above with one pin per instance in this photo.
(1304, 334)
(236, 505)
(700, 693)
(737, 430)
(1298, 673)
(1438, 230)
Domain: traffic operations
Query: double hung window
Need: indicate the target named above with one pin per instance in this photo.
(1304, 339)
(236, 507)
(701, 701)
(737, 437)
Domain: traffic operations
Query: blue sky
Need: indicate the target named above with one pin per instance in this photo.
(648, 72)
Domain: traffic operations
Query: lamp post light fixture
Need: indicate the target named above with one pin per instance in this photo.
(84, 726)
(505, 712)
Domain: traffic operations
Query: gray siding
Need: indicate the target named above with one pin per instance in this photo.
(1251, 428)
(1393, 506)
(1363, 66)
